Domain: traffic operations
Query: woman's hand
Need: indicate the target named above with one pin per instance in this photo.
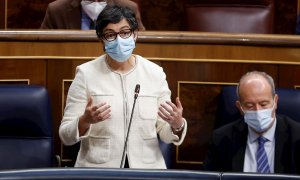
(93, 114)
(172, 113)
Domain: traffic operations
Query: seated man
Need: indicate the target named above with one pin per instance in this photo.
(81, 14)
(260, 142)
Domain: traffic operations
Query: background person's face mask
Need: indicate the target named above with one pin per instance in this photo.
(93, 9)
(120, 49)
(259, 120)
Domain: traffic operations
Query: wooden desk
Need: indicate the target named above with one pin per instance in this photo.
(197, 65)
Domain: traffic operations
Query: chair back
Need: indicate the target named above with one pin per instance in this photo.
(26, 134)
(288, 104)
(233, 16)
(167, 151)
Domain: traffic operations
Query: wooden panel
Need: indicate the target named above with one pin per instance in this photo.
(15, 81)
(68, 153)
(298, 7)
(34, 70)
(289, 76)
(199, 100)
(49, 49)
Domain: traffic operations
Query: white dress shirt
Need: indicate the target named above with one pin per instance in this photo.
(252, 145)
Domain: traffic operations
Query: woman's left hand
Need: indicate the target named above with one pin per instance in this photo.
(172, 113)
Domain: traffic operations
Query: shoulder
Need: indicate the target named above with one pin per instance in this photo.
(146, 61)
(288, 127)
(93, 65)
(287, 122)
(148, 65)
(149, 69)
(62, 4)
(234, 127)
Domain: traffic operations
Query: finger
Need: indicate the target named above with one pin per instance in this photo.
(178, 103)
(103, 107)
(106, 115)
(90, 101)
(166, 106)
(165, 112)
(101, 114)
(162, 115)
(168, 120)
(102, 104)
(96, 107)
(106, 112)
(174, 107)
(165, 118)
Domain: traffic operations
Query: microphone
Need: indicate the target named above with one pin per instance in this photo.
(136, 94)
(136, 91)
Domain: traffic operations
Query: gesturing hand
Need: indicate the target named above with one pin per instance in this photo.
(172, 113)
(93, 114)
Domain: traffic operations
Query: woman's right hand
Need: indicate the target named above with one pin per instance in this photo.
(93, 114)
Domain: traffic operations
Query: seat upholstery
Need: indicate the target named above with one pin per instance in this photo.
(167, 152)
(26, 134)
(233, 16)
(288, 104)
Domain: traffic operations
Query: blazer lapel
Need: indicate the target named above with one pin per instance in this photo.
(240, 136)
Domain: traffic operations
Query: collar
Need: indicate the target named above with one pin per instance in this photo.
(270, 134)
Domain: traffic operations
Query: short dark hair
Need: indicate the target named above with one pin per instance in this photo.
(114, 14)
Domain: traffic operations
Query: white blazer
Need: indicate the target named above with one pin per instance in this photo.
(102, 145)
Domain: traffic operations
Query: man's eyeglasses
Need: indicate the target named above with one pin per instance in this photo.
(111, 36)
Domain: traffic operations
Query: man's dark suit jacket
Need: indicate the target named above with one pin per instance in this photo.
(66, 14)
(228, 145)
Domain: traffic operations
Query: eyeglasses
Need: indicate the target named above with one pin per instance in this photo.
(111, 36)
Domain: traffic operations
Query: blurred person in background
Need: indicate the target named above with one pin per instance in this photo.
(82, 14)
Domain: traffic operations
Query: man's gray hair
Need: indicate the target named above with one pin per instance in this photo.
(262, 74)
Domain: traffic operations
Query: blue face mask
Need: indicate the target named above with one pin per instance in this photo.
(259, 120)
(120, 49)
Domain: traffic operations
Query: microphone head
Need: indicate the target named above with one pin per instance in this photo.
(137, 88)
(136, 91)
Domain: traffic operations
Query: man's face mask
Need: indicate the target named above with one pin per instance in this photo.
(120, 49)
(259, 120)
(93, 9)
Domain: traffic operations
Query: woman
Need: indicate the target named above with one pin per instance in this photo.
(101, 98)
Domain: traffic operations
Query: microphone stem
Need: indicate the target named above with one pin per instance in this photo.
(125, 145)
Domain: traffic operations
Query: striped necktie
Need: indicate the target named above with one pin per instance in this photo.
(261, 156)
